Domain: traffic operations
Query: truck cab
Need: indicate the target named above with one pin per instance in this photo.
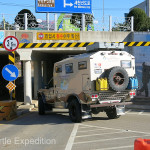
(101, 80)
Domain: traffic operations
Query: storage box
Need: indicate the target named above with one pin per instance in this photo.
(101, 84)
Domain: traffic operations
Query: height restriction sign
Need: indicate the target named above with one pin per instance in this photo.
(11, 43)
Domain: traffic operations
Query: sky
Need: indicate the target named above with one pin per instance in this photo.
(116, 8)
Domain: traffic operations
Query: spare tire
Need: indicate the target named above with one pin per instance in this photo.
(118, 79)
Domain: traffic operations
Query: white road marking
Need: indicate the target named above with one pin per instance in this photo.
(104, 140)
(84, 127)
(72, 137)
(100, 134)
(102, 128)
(115, 148)
(141, 112)
(90, 130)
(128, 111)
(116, 129)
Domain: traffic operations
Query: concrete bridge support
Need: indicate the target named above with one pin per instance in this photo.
(27, 83)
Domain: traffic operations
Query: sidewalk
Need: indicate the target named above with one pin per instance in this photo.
(23, 109)
(142, 103)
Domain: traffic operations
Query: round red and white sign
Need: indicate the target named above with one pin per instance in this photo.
(11, 43)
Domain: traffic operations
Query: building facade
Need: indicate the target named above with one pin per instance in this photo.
(145, 6)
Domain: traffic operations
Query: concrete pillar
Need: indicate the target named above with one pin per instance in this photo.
(110, 23)
(132, 23)
(27, 83)
(37, 77)
(83, 22)
(55, 15)
(26, 21)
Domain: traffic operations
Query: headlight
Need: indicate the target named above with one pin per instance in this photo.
(126, 63)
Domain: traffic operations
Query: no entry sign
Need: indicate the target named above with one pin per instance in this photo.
(11, 43)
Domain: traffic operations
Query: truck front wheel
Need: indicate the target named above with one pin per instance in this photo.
(112, 113)
(75, 111)
(41, 106)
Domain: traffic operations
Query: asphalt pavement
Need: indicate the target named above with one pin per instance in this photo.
(55, 131)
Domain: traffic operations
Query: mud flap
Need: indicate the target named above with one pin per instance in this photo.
(120, 110)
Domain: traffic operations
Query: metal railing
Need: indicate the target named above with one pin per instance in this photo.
(65, 22)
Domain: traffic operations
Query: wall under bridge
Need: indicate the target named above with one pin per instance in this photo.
(36, 64)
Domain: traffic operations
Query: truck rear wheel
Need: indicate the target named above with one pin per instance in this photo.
(112, 113)
(117, 78)
(41, 107)
(75, 111)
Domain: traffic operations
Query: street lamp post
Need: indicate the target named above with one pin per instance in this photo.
(103, 15)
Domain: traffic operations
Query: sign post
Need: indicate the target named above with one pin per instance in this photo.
(10, 72)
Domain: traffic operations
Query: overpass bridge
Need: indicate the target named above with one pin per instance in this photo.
(39, 50)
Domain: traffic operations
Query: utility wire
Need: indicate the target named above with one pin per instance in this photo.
(13, 4)
(26, 5)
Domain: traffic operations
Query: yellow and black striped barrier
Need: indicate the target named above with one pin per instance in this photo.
(54, 45)
(8, 110)
(136, 43)
(74, 44)
(11, 58)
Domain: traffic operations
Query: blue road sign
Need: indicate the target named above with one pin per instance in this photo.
(64, 6)
(10, 72)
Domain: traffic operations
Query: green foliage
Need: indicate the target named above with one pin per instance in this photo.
(76, 20)
(19, 19)
(121, 27)
(141, 21)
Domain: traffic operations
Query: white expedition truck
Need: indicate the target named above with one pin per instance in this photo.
(101, 80)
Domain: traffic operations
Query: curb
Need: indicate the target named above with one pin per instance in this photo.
(142, 107)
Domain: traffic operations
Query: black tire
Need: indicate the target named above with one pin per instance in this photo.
(75, 111)
(41, 106)
(112, 114)
(118, 79)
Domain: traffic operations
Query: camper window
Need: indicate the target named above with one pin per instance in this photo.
(69, 68)
(58, 69)
(82, 65)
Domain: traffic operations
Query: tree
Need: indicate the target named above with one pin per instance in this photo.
(76, 20)
(19, 19)
(141, 21)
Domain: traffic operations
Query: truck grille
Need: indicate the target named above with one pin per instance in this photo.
(113, 95)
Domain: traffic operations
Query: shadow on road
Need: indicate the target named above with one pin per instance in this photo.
(52, 118)
(33, 118)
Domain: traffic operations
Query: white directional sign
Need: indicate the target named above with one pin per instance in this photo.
(67, 4)
(64, 6)
(11, 43)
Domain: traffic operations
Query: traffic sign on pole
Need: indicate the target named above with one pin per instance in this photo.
(11, 43)
(64, 6)
(11, 86)
(10, 72)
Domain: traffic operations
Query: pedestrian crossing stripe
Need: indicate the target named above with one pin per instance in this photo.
(75, 44)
